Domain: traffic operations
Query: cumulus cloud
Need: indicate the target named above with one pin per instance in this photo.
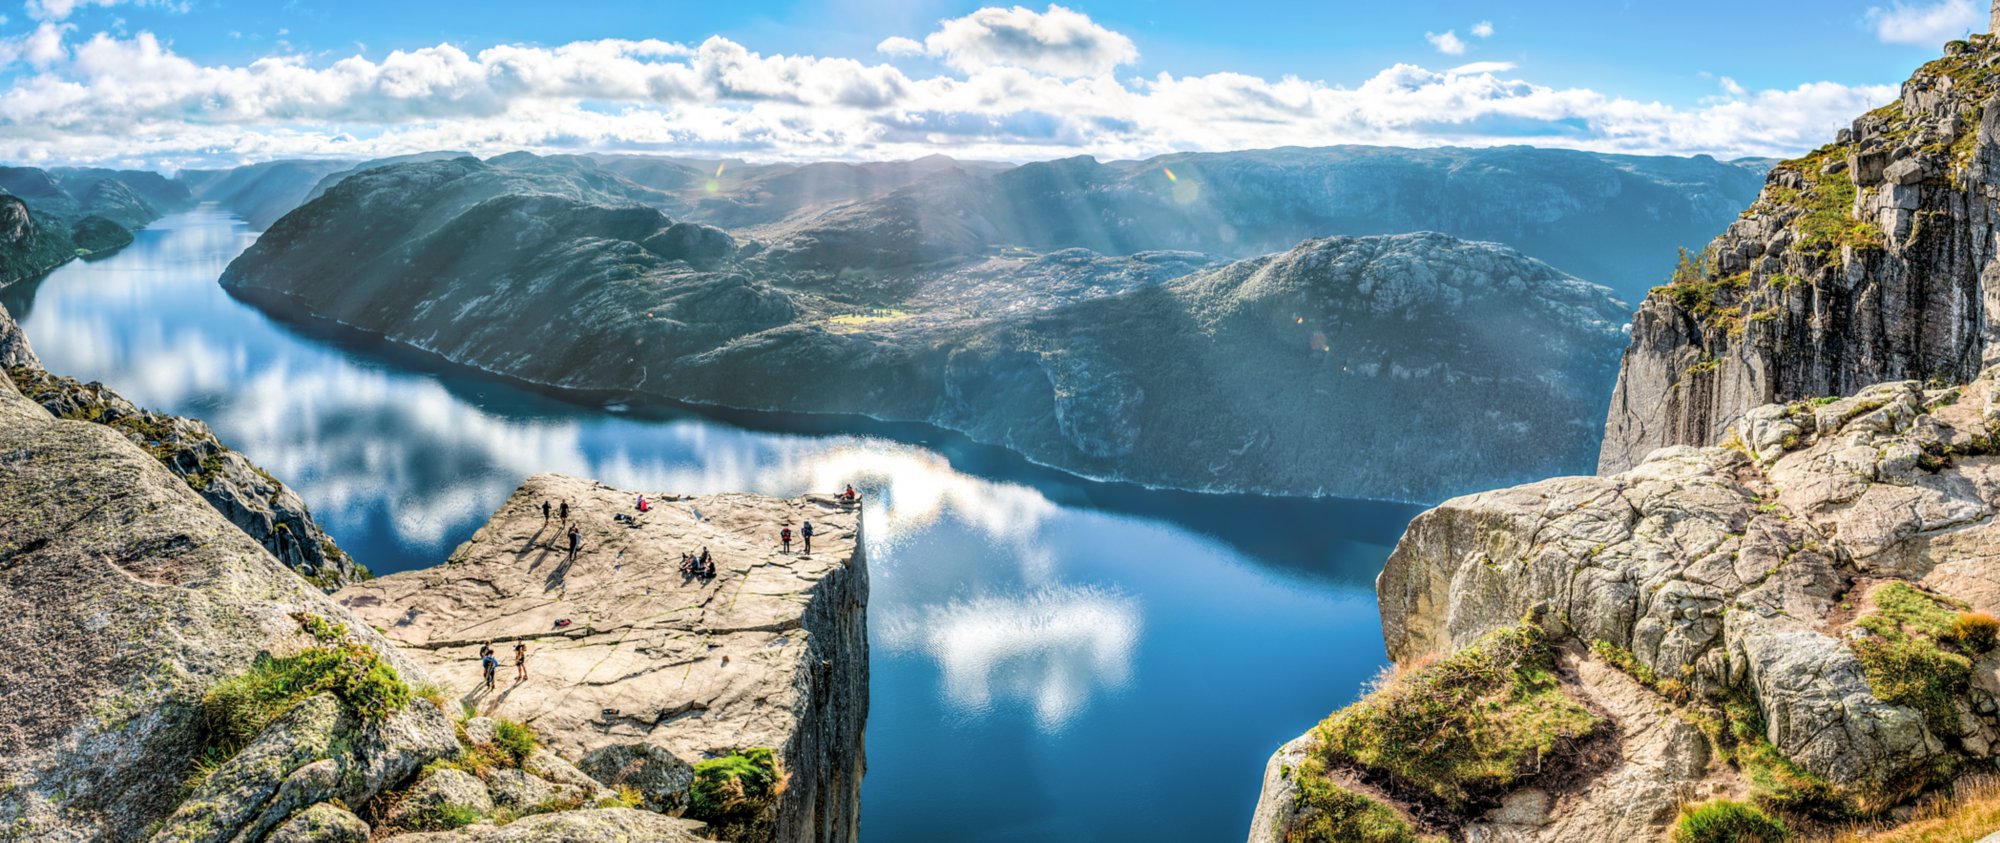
(1926, 24)
(134, 101)
(1482, 29)
(1058, 41)
(1446, 42)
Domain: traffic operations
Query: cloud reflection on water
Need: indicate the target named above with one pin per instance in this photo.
(1052, 648)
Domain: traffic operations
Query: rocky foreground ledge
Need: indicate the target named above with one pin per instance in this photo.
(167, 678)
(1791, 629)
(654, 674)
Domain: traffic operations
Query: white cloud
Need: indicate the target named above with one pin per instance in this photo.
(1446, 42)
(1926, 24)
(1732, 87)
(1483, 29)
(109, 99)
(897, 45)
(1059, 42)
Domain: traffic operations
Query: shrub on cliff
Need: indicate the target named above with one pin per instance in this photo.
(1466, 727)
(1723, 821)
(733, 793)
(236, 709)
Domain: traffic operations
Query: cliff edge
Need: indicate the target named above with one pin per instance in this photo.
(650, 678)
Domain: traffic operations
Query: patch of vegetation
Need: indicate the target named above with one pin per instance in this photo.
(1329, 813)
(626, 796)
(440, 817)
(1624, 660)
(1466, 727)
(236, 709)
(734, 793)
(1967, 812)
(1914, 655)
(1724, 821)
(515, 740)
(512, 743)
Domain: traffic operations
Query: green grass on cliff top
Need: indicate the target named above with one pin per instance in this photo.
(1466, 727)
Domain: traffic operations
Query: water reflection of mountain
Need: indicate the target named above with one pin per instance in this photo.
(1345, 549)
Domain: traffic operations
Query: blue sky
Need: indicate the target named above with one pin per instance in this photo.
(188, 81)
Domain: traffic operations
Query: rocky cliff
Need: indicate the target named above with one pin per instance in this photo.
(1809, 602)
(1870, 259)
(648, 677)
(1314, 371)
(130, 600)
(253, 500)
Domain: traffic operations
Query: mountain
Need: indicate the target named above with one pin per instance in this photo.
(47, 220)
(1867, 260)
(1168, 368)
(1601, 217)
(261, 193)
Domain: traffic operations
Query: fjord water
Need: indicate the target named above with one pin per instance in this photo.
(1053, 659)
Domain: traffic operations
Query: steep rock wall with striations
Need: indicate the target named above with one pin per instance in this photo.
(643, 674)
(1870, 259)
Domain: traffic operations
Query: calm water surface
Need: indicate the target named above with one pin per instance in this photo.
(1054, 659)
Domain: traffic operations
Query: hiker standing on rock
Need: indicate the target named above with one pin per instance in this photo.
(545, 512)
(806, 532)
(520, 661)
(488, 663)
(785, 539)
(565, 512)
(575, 541)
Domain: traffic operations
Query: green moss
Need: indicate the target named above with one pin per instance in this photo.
(442, 817)
(1723, 821)
(1624, 660)
(1329, 813)
(236, 709)
(734, 793)
(1911, 655)
(1466, 727)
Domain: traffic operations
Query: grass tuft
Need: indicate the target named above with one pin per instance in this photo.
(1723, 821)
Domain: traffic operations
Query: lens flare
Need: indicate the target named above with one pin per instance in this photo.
(1170, 175)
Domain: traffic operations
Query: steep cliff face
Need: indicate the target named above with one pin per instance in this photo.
(647, 677)
(1871, 259)
(1810, 592)
(129, 601)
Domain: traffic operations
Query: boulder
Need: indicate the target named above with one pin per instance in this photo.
(444, 788)
(321, 823)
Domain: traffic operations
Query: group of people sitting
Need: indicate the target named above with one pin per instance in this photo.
(697, 565)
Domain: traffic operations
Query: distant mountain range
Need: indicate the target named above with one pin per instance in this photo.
(1408, 366)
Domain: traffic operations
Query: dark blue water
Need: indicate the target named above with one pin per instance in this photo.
(1054, 659)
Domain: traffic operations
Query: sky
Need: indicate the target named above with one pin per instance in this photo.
(168, 84)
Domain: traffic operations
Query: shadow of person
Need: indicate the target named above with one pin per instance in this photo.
(558, 574)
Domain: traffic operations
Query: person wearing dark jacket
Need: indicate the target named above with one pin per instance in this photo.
(806, 532)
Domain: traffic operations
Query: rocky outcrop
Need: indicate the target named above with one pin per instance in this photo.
(129, 599)
(1871, 259)
(253, 500)
(584, 826)
(643, 674)
(1751, 575)
(1157, 368)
